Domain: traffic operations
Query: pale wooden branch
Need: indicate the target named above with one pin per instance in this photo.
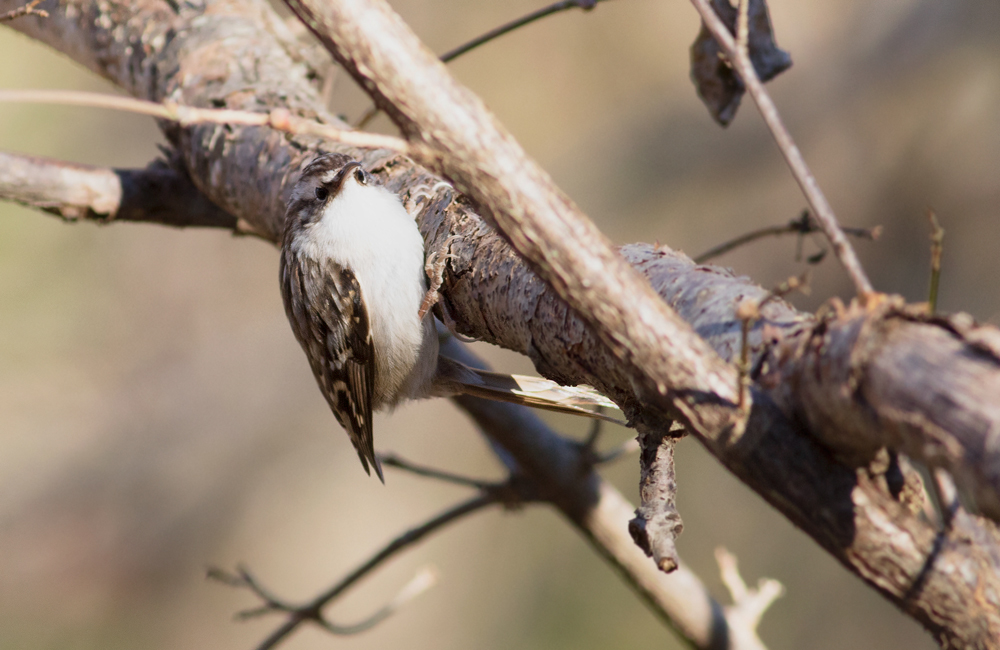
(865, 518)
(279, 119)
(749, 604)
(158, 194)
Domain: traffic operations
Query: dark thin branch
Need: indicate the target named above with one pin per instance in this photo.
(817, 200)
(312, 611)
(630, 446)
(497, 32)
(803, 225)
(391, 460)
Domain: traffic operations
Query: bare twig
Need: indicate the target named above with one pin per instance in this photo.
(554, 8)
(817, 200)
(630, 446)
(312, 611)
(657, 523)
(280, 119)
(391, 460)
(421, 582)
(26, 10)
(496, 32)
(748, 605)
(161, 193)
(803, 225)
(937, 248)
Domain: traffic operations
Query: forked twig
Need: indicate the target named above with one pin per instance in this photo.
(749, 604)
(803, 225)
(817, 200)
(312, 611)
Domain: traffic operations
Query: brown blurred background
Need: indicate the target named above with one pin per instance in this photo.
(157, 417)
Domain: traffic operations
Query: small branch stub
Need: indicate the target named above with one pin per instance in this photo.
(657, 523)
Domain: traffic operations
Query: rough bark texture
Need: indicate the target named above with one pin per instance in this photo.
(865, 372)
(656, 523)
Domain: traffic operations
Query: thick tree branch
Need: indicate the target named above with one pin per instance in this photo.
(672, 369)
(866, 517)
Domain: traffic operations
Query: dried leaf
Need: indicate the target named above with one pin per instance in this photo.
(718, 85)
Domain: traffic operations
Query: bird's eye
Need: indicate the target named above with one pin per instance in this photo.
(359, 176)
(322, 193)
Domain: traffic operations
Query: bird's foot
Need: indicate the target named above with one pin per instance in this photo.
(434, 268)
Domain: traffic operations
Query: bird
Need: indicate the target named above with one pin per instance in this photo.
(355, 289)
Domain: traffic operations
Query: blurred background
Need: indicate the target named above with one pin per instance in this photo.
(157, 416)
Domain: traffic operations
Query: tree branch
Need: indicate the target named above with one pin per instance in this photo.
(158, 194)
(866, 517)
(673, 370)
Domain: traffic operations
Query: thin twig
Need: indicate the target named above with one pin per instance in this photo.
(596, 426)
(497, 32)
(630, 446)
(26, 10)
(937, 248)
(743, 27)
(817, 200)
(803, 225)
(280, 119)
(312, 611)
(421, 582)
(586, 5)
(391, 460)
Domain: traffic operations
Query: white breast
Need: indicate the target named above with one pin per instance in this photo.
(366, 228)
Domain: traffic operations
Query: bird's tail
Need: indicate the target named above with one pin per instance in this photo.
(454, 378)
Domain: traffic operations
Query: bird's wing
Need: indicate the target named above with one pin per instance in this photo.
(327, 311)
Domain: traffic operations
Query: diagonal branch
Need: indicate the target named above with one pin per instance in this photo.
(673, 369)
(157, 194)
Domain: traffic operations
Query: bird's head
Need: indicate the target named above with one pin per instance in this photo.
(322, 181)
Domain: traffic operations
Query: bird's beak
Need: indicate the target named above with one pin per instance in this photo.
(346, 172)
